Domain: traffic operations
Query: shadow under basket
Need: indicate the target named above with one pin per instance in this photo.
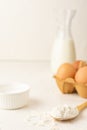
(81, 90)
(66, 86)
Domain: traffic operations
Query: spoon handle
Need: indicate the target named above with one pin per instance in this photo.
(82, 106)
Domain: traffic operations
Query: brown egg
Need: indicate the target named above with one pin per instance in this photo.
(82, 64)
(81, 75)
(66, 70)
(78, 64)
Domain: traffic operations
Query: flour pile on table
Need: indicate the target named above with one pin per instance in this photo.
(42, 120)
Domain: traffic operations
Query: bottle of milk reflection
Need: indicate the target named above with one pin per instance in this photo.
(63, 49)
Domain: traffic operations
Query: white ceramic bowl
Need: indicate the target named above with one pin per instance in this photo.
(14, 95)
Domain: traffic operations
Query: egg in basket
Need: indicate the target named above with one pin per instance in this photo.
(72, 77)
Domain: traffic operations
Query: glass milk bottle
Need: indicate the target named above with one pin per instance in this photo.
(63, 49)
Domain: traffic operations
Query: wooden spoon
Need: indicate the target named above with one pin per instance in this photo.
(79, 108)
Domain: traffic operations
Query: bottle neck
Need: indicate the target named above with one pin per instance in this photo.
(68, 22)
(67, 30)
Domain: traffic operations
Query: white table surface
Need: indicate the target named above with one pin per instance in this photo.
(44, 95)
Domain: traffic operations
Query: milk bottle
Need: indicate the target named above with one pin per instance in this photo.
(63, 49)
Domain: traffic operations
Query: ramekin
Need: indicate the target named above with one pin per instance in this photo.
(14, 95)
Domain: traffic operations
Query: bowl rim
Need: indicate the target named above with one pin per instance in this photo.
(14, 85)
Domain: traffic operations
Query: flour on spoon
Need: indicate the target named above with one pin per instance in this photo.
(64, 112)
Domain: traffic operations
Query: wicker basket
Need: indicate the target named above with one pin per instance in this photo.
(66, 86)
(81, 89)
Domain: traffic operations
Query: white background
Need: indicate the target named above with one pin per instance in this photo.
(28, 28)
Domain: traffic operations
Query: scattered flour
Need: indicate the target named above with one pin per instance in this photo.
(42, 120)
